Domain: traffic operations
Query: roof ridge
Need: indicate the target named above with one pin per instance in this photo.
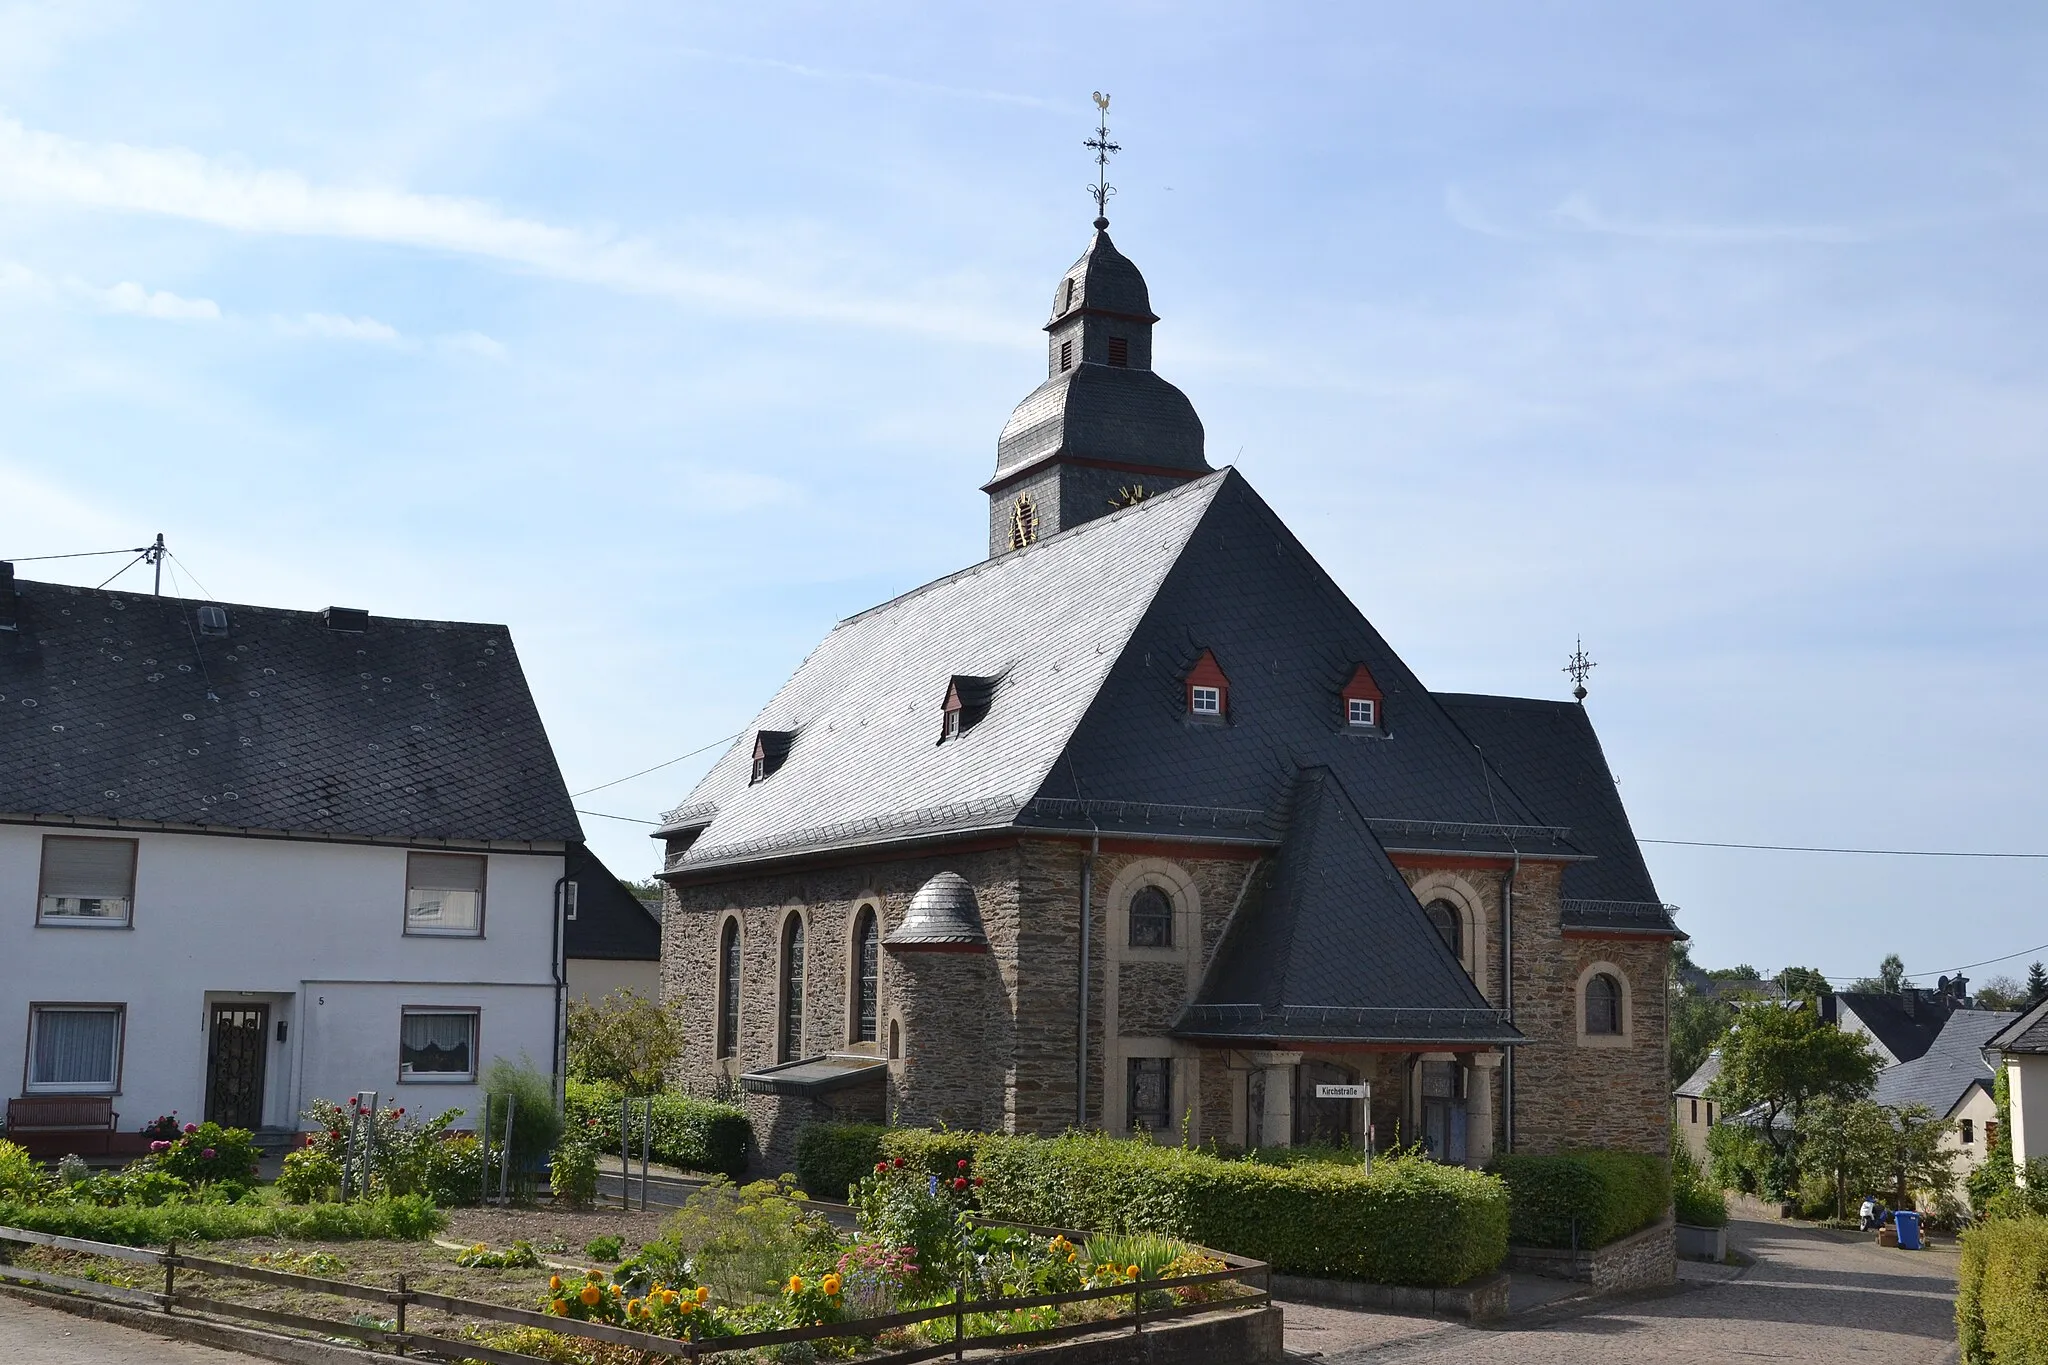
(309, 613)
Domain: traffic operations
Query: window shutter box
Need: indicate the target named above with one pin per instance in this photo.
(88, 868)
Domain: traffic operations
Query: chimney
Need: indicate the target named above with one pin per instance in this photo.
(1909, 1001)
(10, 606)
(348, 620)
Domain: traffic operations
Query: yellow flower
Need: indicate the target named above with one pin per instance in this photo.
(617, 1290)
(632, 1308)
(689, 1306)
(830, 1284)
(796, 1284)
(590, 1295)
(1131, 1272)
(703, 1293)
(560, 1308)
(593, 1275)
(555, 1283)
(1073, 1256)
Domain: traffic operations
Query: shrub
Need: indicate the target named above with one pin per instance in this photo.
(697, 1135)
(2022, 1201)
(901, 1205)
(206, 1153)
(139, 1184)
(746, 1242)
(2002, 1292)
(831, 1158)
(21, 1177)
(1695, 1200)
(605, 1248)
(1585, 1199)
(410, 1217)
(625, 1039)
(572, 1175)
(309, 1175)
(536, 1123)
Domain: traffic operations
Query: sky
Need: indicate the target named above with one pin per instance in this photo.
(667, 335)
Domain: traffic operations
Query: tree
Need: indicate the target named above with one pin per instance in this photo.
(624, 1038)
(2037, 985)
(1778, 1059)
(1697, 1023)
(2002, 993)
(1802, 983)
(1890, 978)
(1917, 1159)
(1848, 1144)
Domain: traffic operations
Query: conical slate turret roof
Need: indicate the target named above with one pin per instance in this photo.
(942, 916)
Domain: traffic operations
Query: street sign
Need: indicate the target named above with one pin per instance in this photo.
(1340, 1092)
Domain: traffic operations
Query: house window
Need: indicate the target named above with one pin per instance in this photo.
(1966, 1130)
(1150, 1100)
(1990, 1134)
(1695, 1112)
(1208, 689)
(1119, 352)
(895, 1041)
(1066, 355)
(791, 1044)
(729, 989)
(865, 964)
(1603, 1005)
(1151, 918)
(568, 900)
(74, 1049)
(1449, 923)
(771, 750)
(87, 881)
(444, 893)
(437, 1045)
(1362, 700)
(1710, 1113)
(950, 727)
(1361, 710)
(1206, 701)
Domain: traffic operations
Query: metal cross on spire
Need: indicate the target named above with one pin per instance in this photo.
(1104, 149)
(1579, 667)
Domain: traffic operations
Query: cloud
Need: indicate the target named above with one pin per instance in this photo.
(1581, 213)
(345, 328)
(179, 183)
(1468, 215)
(129, 297)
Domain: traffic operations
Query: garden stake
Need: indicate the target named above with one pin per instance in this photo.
(960, 1318)
(484, 1131)
(170, 1273)
(1137, 1308)
(646, 1140)
(505, 1152)
(400, 1298)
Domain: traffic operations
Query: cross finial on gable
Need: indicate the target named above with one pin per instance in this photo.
(1578, 667)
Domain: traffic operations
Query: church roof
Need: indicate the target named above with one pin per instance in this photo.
(1105, 281)
(1097, 412)
(1331, 944)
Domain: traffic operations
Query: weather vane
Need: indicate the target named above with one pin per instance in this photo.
(1104, 149)
(1579, 667)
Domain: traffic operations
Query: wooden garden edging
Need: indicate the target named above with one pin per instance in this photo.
(404, 1341)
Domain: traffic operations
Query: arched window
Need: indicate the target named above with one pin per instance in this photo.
(1151, 918)
(1603, 1005)
(895, 1040)
(1450, 926)
(729, 989)
(791, 1044)
(865, 947)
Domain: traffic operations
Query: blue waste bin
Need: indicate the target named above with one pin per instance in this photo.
(1909, 1229)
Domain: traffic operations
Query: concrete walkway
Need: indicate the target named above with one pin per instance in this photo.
(1812, 1295)
(33, 1335)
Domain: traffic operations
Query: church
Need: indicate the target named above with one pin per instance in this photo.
(1139, 825)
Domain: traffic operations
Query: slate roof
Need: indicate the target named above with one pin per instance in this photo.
(1548, 751)
(1105, 281)
(1904, 1036)
(1709, 1071)
(1953, 1065)
(611, 922)
(2028, 1033)
(113, 704)
(1331, 944)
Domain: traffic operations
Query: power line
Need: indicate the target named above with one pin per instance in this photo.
(82, 554)
(629, 819)
(124, 568)
(657, 767)
(1873, 852)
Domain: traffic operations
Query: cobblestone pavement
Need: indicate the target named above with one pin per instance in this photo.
(33, 1335)
(1812, 1296)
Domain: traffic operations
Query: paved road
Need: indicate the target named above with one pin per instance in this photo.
(31, 1335)
(1811, 1296)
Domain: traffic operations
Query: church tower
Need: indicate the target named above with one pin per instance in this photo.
(1103, 430)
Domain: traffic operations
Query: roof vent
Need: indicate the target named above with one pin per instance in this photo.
(213, 620)
(350, 620)
(942, 918)
(10, 610)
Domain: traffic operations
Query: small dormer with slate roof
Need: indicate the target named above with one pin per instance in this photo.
(1103, 430)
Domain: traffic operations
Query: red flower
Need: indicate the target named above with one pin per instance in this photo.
(880, 1167)
(959, 1182)
(899, 1163)
(977, 1180)
(960, 1166)
(309, 1139)
(401, 1111)
(334, 1133)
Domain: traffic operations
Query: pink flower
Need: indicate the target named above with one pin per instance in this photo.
(191, 1127)
(208, 1154)
(159, 1146)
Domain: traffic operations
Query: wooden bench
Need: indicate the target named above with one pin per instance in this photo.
(54, 1125)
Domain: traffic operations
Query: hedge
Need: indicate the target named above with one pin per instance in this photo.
(697, 1135)
(1587, 1199)
(830, 1157)
(2002, 1292)
(1409, 1222)
(410, 1216)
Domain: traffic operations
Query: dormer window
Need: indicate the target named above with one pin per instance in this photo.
(1208, 690)
(1364, 706)
(1120, 352)
(967, 701)
(1067, 294)
(771, 748)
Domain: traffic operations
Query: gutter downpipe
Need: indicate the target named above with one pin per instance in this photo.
(561, 1057)
(1087, 937)
(1507, 1000)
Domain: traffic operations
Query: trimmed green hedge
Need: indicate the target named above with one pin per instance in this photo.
(697, 1135)
(2002, 1292)
(830, 1157)
(408, 1216)
(1409, 1222)
(1586, 1198)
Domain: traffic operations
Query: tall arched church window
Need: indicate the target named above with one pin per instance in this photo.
(1603, 1004)
(1151, 918)
(1450, 926)
(865, 958)
(729, 989)
(791, 1044)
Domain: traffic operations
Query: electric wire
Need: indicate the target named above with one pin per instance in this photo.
(82, 554)
(123, 569)
(659, 766)
(1871, 852)
(605, 815)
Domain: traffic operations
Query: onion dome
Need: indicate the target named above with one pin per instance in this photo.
(943, 918)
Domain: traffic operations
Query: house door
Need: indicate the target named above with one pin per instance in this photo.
(1443, 1112)
(234, 1065)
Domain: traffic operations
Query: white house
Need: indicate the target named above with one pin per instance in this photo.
(252, 857)
(2022, 1047)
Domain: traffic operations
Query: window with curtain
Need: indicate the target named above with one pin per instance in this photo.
(74, 1049)
(866, 964)
(87, 881)
(1603, 1004)
(791, 1045)
(729, 989)
(1151, 918)
(437, 1045)
(444, 893)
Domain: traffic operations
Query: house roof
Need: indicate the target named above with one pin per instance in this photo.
(2028, 1033)
(1942, 1077)
(1709, 1071)
(120, 707)
(611, 922)
(1903, 1034)
(1329, 943)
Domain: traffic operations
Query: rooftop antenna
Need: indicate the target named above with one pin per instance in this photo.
(1579, 667)
(154, 557)
(1104, 149)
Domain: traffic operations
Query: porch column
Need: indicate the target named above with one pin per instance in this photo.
(1479, 1108)
(1276, 1125)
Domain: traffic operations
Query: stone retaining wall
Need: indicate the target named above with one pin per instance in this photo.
(1642, 1260)
(1477, 1300)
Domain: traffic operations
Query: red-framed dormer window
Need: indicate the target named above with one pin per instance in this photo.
(1364, 706)
(1208, 690)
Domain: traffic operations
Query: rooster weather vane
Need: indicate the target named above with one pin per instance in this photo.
(1104, 149)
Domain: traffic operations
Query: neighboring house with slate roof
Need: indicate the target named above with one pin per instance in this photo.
(2023, 1045)
(611, 940)
(252, 857)
(1900, 1025)
(1694, 1107)
(1951, 1079)
(1139, 824)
